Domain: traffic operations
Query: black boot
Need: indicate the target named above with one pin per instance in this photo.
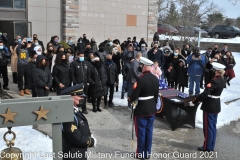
(84, 109)
(98, 109)
(110, 103)
(94, 109)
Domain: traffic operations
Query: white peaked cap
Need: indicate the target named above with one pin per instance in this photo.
(146, 61)
(217, 66)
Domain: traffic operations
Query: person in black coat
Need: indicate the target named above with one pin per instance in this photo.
(31, 65)
(81, 72)
(62, 73)
(229, 62)
(76, 135)
(156, 55)
(42, 77)
(98, 79)
(186, 51)
(171, 75)
(116, 57)
(181, 74)
(214, 51)
(80, 45)
(112, 79)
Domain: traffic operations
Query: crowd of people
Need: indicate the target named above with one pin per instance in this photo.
(43, 69)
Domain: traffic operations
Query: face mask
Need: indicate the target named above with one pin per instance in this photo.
(70, 41)
(142, 48)
(109, 60)
(23, 45)
(139, 69)
(80, 41)
(81, 59)
(84, 37)
(175, 54)
(56, 40)
(215, 48)
(36, 44)
(19, 40)
(116, 50)
(225, 49)
(87, 49)
(1, 47)
(187, 49)
(209, 53)
(39, 53)
(110, 43)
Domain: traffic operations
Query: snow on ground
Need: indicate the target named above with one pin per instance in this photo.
(32, 143)
(212, 40)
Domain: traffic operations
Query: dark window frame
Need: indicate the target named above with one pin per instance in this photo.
(13, 6)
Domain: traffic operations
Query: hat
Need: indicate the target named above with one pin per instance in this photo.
(146, 61)
(37, 47)
(170, 64)
(217, 66)
(181, 60)
(74, 90)
(166, 51)
(143, 45)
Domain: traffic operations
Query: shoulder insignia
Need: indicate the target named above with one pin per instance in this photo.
(209, 85)
(135, 85)
(73, 127)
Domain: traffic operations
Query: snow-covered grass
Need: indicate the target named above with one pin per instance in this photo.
(212, 40)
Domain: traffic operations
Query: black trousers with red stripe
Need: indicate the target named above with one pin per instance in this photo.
(209, 130)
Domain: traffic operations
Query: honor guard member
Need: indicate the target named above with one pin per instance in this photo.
(145, 90)
(76, 135)
(211, 106)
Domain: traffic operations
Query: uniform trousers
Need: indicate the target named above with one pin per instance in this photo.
(144, 131)
(209, 130)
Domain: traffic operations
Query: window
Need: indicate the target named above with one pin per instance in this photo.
(6, 3)
(229, 28)
(16, 4)
(20, 4)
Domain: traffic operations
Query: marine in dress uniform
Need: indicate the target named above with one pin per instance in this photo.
(145, 90)
(76, 135)
(211, 106)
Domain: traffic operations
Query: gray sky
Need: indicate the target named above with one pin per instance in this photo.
(230, 10)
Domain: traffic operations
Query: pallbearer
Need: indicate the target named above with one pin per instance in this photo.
(145, 90)
(211, 106)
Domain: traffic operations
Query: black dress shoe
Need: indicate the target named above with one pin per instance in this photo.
(202, 149)
(99, 110)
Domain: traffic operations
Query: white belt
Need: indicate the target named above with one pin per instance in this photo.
(145, 98)
(215, 97)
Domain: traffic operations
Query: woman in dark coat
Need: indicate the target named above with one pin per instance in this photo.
(42, 77)
(116, 57)
(62, 73)
(98, 79)
(181, 74)
(31, 65)
(229, 62)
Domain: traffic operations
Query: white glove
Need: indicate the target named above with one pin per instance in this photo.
(95, 141)
(191, 104)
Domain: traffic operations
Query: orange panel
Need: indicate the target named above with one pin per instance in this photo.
(131, 20)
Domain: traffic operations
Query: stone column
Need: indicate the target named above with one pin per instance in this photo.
(152, 19)
(70, 19)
